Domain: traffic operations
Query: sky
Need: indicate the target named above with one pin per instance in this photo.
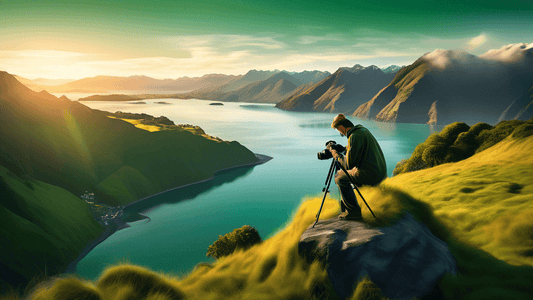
(172, 39)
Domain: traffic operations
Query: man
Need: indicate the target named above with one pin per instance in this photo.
(364, 162)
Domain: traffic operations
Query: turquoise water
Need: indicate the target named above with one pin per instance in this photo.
(184, 222)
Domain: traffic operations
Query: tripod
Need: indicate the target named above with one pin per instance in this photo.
(332, 169)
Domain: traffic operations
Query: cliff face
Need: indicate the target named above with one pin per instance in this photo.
(340, 92)
(443, 87)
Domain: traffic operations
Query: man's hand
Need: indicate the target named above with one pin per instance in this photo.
(353, 172)
(335, 150)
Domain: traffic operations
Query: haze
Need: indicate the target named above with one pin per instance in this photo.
(161, 39)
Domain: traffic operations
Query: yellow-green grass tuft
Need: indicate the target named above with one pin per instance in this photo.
(68, 289)
(134, 282)
(486, 200)
(481, 207)
(270, 270)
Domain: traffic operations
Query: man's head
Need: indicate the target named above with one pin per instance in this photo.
(342, 124)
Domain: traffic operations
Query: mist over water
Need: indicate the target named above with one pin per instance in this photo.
(184, 222)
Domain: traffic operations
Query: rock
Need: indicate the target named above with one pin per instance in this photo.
(404, 260)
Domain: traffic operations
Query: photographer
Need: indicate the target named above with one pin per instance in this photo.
(364, 162)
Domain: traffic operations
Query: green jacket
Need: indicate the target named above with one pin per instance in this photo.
(364, 152)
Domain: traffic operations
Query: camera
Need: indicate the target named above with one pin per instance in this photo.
(326, 154)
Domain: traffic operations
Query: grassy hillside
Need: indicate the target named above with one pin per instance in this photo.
(69, 145)
(481, 206)
(487, 199)
(54, 150)
(33, 219)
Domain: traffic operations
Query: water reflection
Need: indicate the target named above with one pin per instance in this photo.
(189, 192)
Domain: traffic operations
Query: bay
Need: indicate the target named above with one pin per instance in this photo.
(184, 222)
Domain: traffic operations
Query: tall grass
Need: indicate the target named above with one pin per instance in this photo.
(472, 205)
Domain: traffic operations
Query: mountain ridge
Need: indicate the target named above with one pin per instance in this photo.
(340, 91)
(444, 86)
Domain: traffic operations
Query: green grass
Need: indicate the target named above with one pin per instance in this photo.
(71, 146)
(33, 219)
(481, 207)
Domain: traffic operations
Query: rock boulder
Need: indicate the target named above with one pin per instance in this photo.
(404, 260)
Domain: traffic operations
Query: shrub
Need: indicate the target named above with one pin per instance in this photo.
(490, 137)
(240, 238)
(458, 141)
(523, 130)
(450, 133)
(466, 143)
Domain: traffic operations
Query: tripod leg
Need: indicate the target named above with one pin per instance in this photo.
(326, 189)
(355, 186)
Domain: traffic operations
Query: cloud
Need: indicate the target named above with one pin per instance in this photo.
(477, 41)
(50, 64)
(39, 54)
(225, 41)
(509, 53)
(440, 58)
(311, 39)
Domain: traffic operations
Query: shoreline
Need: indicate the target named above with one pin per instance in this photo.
(119, 224)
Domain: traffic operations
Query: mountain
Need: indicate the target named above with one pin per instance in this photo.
(306, 77)
(445, 86)
(339, 92)
(391, 69)
(102, 84)
(54, 150)
(260, 86)
(69, 145)
(271, 90)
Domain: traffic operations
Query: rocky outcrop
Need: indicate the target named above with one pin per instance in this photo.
(404, 260)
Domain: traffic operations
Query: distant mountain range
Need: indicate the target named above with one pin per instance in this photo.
(446, 86)
(441, 87)
(261, 86)
(255, 86)
(104, 84)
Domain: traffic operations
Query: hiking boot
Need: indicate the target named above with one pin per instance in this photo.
(350, 216)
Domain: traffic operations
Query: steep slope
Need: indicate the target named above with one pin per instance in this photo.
(443, 87)
(53, 150)
(66, 144)
(43, 228)
(340, 92)
(399, 89)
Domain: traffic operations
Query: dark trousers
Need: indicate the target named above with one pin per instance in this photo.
(348, 201)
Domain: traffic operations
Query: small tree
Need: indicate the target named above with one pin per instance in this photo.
(240, 238)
